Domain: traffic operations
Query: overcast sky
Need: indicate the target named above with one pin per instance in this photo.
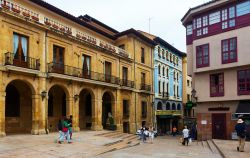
(121, 15)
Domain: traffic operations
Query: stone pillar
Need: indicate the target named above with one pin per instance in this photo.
(2, 114)
(132, 106)
(118, 111)
(75, 109)
(38, 114)
(96, 115)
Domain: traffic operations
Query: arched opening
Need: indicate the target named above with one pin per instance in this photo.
(85, 109)
(173, 106)
(159, 106)
(106, 110)
(179, 107)
(159, 69)
(18, 108)
(56, 106)
(168, 106)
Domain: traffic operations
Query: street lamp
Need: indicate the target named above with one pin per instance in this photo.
(76, 97)
(43, 94)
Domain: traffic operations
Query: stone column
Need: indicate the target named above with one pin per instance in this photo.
(38, 114)
(132, 106)
(118, 111)
(96, 115)
(75, 109)
(2, 114)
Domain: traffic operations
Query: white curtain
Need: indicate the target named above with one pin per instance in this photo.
(15, 44)
(24, 47)
(88, 64)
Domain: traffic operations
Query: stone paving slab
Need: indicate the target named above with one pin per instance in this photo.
(163, 147)
(229, 149)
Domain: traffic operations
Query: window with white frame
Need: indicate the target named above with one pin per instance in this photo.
(189, 30)
(214, 18)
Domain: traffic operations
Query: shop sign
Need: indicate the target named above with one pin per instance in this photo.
(168, 112)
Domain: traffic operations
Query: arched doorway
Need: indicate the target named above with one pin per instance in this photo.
(85, 109)
(18, 108)
(56, 106)
(106, 109)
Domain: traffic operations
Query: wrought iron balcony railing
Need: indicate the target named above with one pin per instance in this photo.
(81, 73)
(145, 87)
(127, 83)
(22, 61)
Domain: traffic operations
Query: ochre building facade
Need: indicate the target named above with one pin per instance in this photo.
(53, 65)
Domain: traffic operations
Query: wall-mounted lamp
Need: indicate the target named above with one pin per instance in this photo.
(43, 94)
(76, 97)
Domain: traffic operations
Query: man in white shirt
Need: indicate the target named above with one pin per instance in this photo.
(185, 135)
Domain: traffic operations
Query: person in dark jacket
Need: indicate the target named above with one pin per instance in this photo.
(70, 126)
(241, 133)
(61, 134)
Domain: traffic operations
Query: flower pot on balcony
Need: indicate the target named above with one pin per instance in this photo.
(69, 32)
(35, 18)
(16, 10)
(78, 36)
(101, 45)
(62, 29)
(55, 26)
(94, 42)
(26, 15)
(47, 23)
(5, 6)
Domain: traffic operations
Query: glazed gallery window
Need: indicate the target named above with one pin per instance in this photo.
(20, 46)
(229, 50)
(214, 18)
(189, 30)
(58, 55)
(244, 82)
(202, 56)
(86, 65)
(124, 74)
(228, 18)
(217, 85)
(243, 8)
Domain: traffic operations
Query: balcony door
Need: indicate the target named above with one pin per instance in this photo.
(86, 68)
(108, 71)
(20, 45)
(58, 59)
(124, 75)
(143, 80)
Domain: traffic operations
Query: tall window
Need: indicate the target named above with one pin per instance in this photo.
(144, 109)
(124, 75)
(167, 87)
(167, 72)
(143, 79)
(108, 71)
(217, 85)
(159, 52)
(177, 90)
(86, 65)
(163, 71)
(20, 46)
(159, 85)
(244, 82)
(159, 69)
(142, 55)
(167, 55)
(58, 59)
(229, 50)
(189, 30)
(125, 109)
(174, 91)
(163, 54)
(202, 56)
(163, 87)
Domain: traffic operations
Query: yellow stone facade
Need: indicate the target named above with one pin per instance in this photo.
(36, 83)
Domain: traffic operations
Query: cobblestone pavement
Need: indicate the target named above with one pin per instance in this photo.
(87, 143)
(229, 149)
(164, 147)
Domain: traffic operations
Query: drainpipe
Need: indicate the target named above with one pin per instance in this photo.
(46, 72)
(135, 86)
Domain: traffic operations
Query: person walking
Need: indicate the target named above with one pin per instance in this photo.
(151, 134)
(66, 129)
(70, 126)
(240, 128)
(61, 135)
(185, 135)
(174, 131)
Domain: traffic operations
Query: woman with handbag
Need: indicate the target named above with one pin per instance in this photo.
(65, 129)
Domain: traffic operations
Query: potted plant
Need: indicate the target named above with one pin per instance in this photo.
(69, 32)
(101, 45)
(35, 18)
(26, 14)
(5, 6)
(47, 22)
(62, 29)
(55, 26)
(78, 35)
(84, 38)
(15, 10)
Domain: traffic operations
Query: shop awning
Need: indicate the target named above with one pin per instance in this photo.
(243, 108)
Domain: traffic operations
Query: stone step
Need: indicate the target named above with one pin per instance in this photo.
(119, 135)
(105, 133)
(112, 134)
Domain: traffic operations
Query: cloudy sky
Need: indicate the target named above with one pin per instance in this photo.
(121, 15)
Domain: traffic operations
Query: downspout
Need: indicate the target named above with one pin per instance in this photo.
(135, 87)
(152, 73)
(46, 72)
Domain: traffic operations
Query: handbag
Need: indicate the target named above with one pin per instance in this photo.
(65, 129)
